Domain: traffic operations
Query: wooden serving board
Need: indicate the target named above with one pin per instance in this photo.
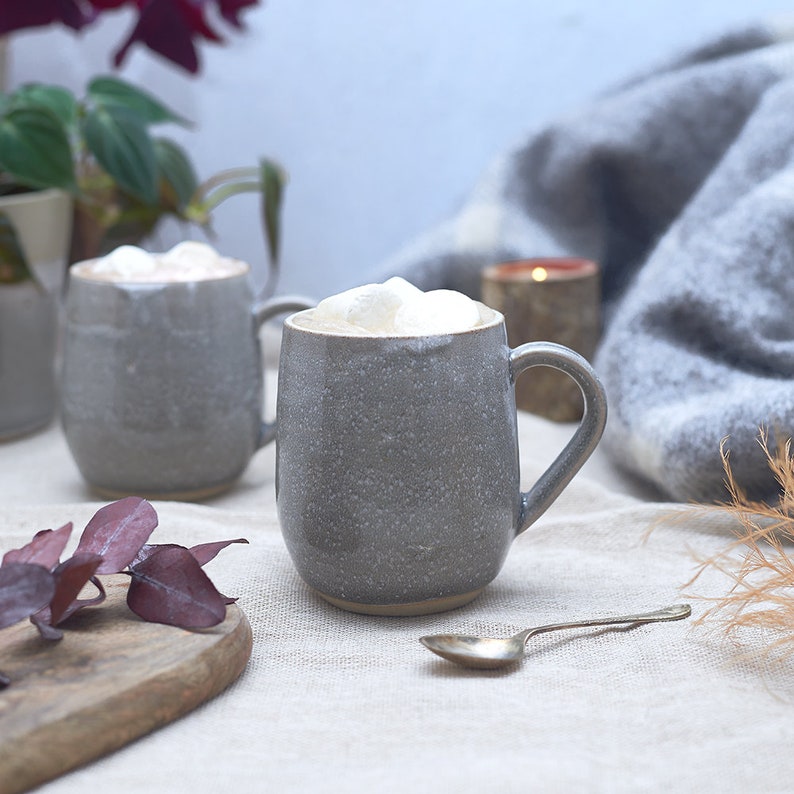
(111, 679)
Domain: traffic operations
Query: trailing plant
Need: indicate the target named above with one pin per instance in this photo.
(124, 179)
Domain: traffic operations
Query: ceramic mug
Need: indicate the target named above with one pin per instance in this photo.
(161, 386)
(397, 477)
(41, 221)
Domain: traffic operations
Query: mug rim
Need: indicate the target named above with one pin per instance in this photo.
(496, 320)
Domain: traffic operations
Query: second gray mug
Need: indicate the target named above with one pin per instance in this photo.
(161, 388)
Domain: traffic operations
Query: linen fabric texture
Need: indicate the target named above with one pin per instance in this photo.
(680, 183)
(337, 702)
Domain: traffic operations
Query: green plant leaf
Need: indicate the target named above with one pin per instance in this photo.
(223, 186)
(111, 92)
(13, 264)
(34, 148)
(273, 179)
(176, 171)
(122, 146)
(60, 101)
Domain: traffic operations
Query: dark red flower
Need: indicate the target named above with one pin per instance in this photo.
(104, 5)
(170, 28)
(16, 15)
(230, 10)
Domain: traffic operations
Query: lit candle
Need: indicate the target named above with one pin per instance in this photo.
(539, 273)
(555, 299)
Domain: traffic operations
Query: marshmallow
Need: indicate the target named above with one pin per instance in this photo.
(440, 311)
(125, 261)
(404, 289)
(191, 253)
(396, 308)
(187, 261)
(371, 307)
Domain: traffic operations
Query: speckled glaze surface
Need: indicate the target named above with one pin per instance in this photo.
(42, 221)
(161, 391)
(28, 334)
(397, 475)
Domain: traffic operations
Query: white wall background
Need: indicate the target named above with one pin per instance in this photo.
(384, 112)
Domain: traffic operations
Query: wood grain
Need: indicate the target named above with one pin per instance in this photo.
(111, 679)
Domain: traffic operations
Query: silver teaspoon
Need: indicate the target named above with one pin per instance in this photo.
(488, 653)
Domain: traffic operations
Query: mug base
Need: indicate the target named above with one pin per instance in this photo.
(23, 430)
(190, 495)
(404, 610)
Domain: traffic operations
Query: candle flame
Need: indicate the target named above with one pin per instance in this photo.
(539, 274)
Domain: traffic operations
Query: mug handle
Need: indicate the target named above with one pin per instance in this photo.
(264, 311)
(551, 483)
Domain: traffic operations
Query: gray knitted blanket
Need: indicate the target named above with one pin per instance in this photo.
(681, 184)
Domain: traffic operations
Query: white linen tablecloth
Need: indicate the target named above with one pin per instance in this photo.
(338, 702)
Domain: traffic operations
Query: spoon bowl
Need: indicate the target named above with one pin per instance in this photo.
(489, 653)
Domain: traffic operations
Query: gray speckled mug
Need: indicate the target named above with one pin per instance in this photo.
(397, 476)
(161, 388)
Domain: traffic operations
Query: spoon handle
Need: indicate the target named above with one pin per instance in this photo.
(674, 612)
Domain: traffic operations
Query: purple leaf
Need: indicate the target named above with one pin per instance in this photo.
(170, 587)
(24, 589)
(43, 621)
(150, 548)
(117, 532)
(205, 552)
(45, 548)
(70, 578)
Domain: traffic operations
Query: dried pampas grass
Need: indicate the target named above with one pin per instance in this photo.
(762, 595)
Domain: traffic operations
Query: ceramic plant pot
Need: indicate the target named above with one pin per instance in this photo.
(29, 311)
